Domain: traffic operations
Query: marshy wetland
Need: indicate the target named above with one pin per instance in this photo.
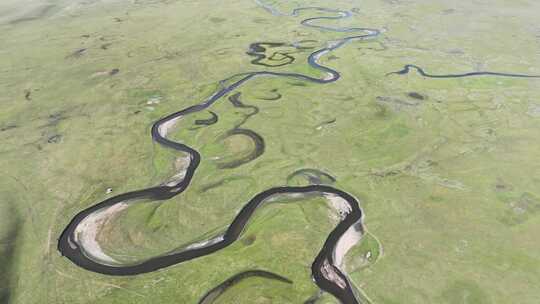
(269, 151)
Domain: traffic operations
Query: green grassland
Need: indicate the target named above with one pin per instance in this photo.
(450, 183)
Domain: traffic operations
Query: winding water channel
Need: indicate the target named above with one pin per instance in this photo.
(217, 291)
(407, 68)
(78, 240)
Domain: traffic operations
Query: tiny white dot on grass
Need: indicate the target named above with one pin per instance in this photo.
(153, 100)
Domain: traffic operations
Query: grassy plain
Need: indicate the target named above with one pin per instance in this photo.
(450, 183)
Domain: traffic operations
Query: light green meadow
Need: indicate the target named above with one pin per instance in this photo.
(449, 183)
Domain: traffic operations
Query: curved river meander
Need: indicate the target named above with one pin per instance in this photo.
(74, 243)
(77, 242)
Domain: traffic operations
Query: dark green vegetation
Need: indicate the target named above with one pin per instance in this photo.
(449, 182)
